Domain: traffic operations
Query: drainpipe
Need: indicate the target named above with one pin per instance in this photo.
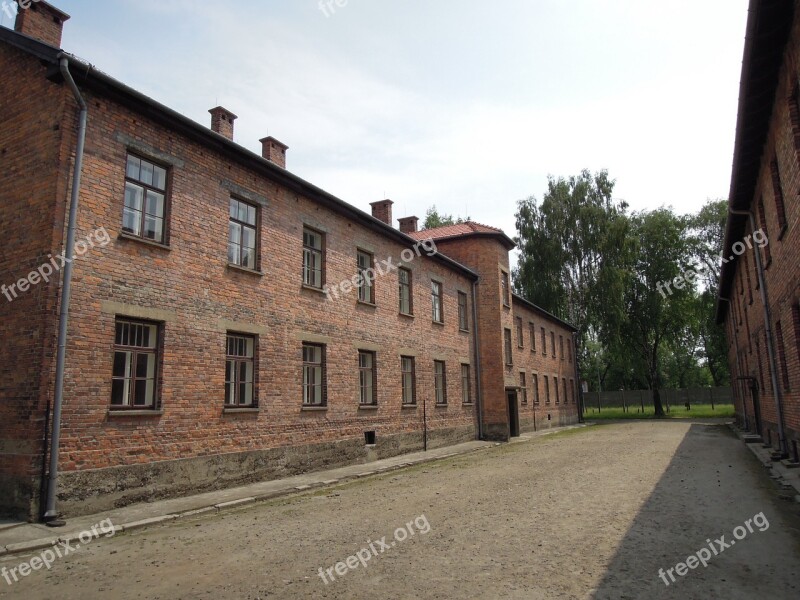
(477, 343)
(51, 514)
(738, 362)
(773, 370)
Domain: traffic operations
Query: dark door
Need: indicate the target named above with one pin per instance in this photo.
(513, 413)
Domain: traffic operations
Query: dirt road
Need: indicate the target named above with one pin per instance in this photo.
(593, 513)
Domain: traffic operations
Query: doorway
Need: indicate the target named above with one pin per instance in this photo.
(513, 413)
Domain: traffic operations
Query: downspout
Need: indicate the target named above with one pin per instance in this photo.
(51, 514)
(773, 370)
(476, 340)
(738, 362)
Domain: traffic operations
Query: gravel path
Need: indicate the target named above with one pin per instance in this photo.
(591, 513)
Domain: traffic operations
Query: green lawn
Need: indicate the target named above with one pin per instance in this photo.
(676, 412)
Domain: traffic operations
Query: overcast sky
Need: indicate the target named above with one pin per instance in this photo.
(463, 104)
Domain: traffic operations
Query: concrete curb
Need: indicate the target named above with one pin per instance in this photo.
(39, 544)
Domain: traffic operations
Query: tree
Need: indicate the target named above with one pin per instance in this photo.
(433, 219)
(570, 250)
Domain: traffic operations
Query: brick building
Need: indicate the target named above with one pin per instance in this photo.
(229, 321)
(760, 282)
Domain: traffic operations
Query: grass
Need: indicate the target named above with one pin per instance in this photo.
(698, 411)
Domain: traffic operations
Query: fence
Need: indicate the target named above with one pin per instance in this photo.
(637, 399)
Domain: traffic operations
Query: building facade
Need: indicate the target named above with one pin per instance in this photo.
(759, 298)
(228, 321)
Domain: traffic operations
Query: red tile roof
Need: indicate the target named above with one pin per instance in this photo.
(459, 229)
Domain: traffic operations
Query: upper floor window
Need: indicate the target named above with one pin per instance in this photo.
(436, 301)
(777, 192)
(313, 258)
(367, 378)
(505, 288)
(463, 319)
(544, 342)
(561, 346)
(406, 304)
(507, 345)
(242, 234)
(440, 381)
(240, 370)
(144, 213)
(314, 389)
(520, 333)
(553, 344)
(134, 374)
(532, 336)
(366, 280)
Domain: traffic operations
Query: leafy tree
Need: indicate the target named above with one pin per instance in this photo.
(433, 219)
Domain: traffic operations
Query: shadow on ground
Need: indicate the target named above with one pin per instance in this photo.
(712, 485)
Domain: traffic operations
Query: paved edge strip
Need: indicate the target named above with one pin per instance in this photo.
(40, 544)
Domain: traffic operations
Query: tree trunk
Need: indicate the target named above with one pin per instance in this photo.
(657, 402)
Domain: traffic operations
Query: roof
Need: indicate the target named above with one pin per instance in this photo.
(768, 25)
(87, 77)
(528, 304)
(460, 230)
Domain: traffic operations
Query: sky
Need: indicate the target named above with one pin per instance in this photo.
(465, 105)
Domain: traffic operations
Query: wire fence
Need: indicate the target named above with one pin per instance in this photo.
(639, 400)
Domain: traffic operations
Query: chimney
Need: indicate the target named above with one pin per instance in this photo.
(382, 210)
(274, 151)
(408, 224)
(40, 21)
(222, 121)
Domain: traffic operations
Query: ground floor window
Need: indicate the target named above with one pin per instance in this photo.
(134, 380)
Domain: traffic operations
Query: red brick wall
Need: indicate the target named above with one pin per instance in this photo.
(36, 159)
(745, 320)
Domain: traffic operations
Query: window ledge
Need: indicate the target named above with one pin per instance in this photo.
(314, 408)
(407, 315)
(409, 406)
(233, 410)
(463, 330)
(135, 238)
(134, 413)
(311, 288)
(441, 323)
(467, 404)
(367, 407)
(441, 405)
(241, 269)
(365, 303)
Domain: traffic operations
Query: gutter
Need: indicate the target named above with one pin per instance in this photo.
(773, 368)
(477, 341)
(50, 515)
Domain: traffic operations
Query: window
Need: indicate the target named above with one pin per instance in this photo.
(555, 386)
(367, 378)
(409, 375)
(134, 381)
(749, 280)
(782, 354)
(777, 192)
(463, 320)
(505, 288)
(564, 389)
(314, 389)
(532, 336)
(436, 302)
(507, 342)
(546, 390)
(466, 396)
(242, 234)
(535, 384)
(762, 217)
(544, 342)
(569, 350)
(313, 258)
(240, 370)
(406, 306)
(440, 382)
(561, 346)
(366, 280)
(144, 212)
(523, 385)
(520, 333)
(553, 344)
